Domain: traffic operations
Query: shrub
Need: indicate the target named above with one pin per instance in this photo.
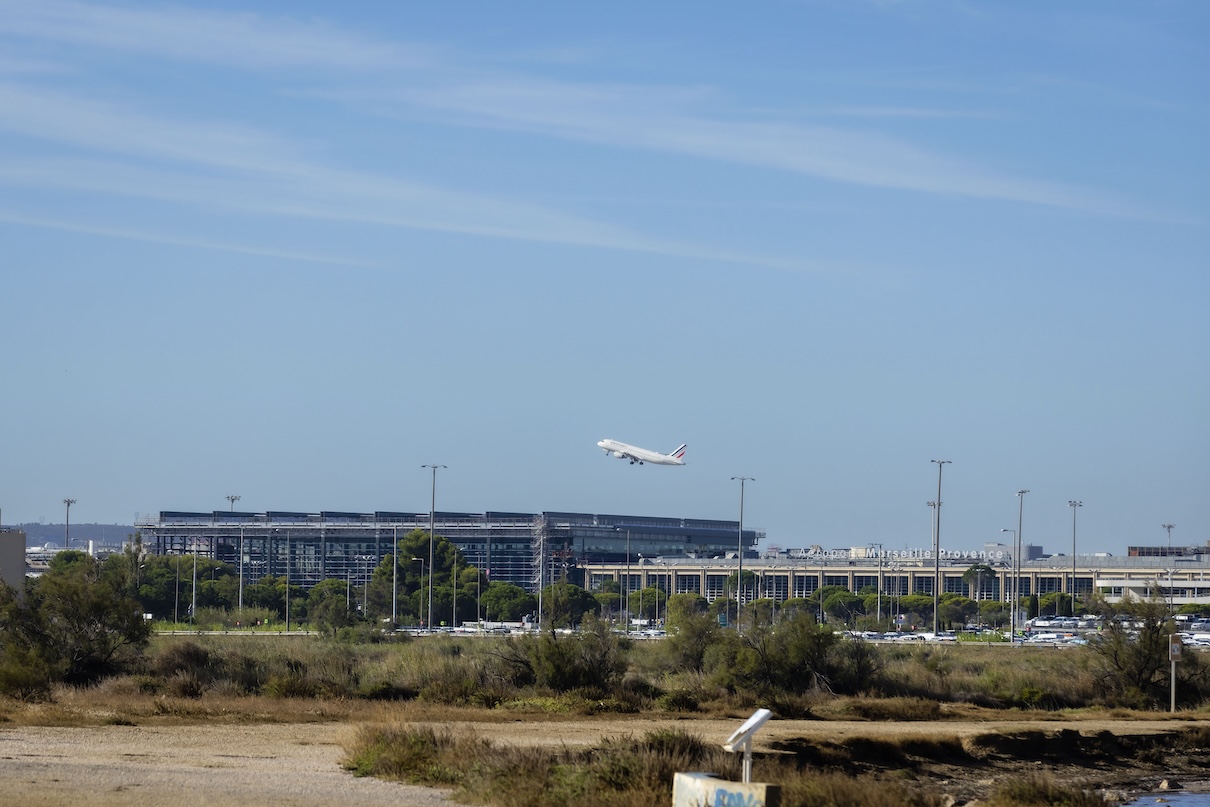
(678, 700)
(1042, 791)
(24, 675)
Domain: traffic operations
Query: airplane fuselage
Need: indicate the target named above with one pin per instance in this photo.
(625, 451)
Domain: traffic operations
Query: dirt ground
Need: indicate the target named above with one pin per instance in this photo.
(299, 764)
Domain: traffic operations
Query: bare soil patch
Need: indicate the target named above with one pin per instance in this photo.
(227, 757)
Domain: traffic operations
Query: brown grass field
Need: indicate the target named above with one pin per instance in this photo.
(90, 747)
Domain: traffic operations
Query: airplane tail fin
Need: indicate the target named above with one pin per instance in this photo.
(680, 452)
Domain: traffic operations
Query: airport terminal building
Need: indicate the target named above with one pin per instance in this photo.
(522, 548)
(1180, 575)
(677, 555)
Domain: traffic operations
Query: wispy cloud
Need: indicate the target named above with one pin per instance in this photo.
(64, 225)
(268, 171)
(656, 121)
(216, 37)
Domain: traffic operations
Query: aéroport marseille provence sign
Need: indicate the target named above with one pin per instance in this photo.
(995, 556)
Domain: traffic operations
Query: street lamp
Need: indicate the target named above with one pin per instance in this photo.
(937, 552)
(1020, 533)
(233, 498)
(1013, 591)
(67, 524)
(667, 581)
(422, 622)
(395, 579)
(1170, 600)
(454, 586)
(739, 581)
(879, 584)
(287, 581)
(432, 515)
(626, 591)
(1073, 504)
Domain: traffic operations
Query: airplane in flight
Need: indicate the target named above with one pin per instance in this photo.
(641, 455)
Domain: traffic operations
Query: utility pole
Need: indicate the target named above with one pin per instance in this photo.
(67, 524)
(432, 515)
(937, 553)
(739, 581)
(1171, 599)
(1073, 504)
(1017, 554)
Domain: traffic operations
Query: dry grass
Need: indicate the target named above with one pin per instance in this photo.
(1036, 790)
(614, 772)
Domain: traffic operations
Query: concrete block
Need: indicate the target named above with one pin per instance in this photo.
(706, 790)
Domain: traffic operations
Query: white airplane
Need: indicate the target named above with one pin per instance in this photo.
(641, 455)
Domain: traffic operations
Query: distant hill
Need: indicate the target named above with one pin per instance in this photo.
(101, 534)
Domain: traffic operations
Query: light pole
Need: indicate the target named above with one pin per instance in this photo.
(366, 593)
(739, 577)
(193, 607)
(395, 580)
(1074, 504)
(667, 581)
(1171, 601)
(626, 591)
(1020, 518)
(879, 584)
(898, 593)
(287, 581)
(241, 571)
(937, 552)
(432, 515)
(454, 586)
(422, 621)
(233, 498)
(1013, 590)
(67, 524)
(1171, 594)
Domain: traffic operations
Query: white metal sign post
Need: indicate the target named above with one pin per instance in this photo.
(741, 739)
(1174, 655)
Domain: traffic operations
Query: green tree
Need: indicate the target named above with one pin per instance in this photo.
(1132, 648)
(680, 606)
(566, 605)
(954, 610)
(404, 590)
(692, 629)
(610, 602)
(974, 577)
(799, 655)
(799, 605)
(591, 659)
(648, 602)
(918, 608)
(329, 605)
(993, 612)
(843, 605)
(74, 622)
(507, 602)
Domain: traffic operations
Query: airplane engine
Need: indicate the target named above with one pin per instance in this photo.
(619, 454)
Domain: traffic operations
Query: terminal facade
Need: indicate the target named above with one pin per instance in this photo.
(677, 555)
(1180, 577)
(528, 549)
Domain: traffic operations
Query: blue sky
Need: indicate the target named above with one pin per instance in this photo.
(294, 251)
